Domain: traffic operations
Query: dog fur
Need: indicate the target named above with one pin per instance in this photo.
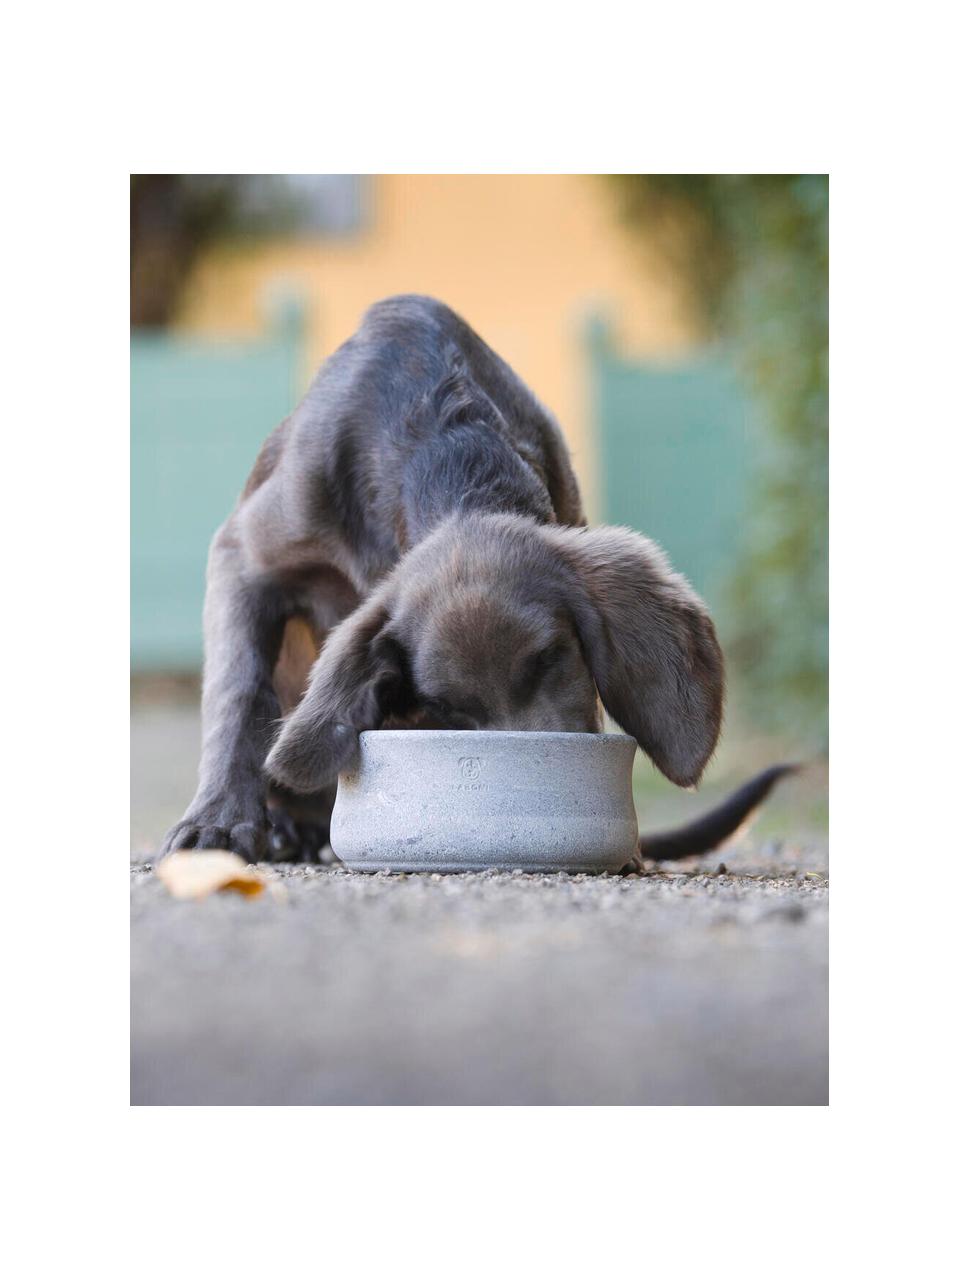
(410, 551)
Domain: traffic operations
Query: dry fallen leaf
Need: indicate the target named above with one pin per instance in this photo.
(189, 874)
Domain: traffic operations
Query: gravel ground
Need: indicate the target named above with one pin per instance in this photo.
(670, 988)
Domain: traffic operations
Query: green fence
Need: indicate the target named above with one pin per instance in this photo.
(200, 411)
(674, 444)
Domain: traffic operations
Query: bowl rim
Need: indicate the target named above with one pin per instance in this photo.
(528, 735)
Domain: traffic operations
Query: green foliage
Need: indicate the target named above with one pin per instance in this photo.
(175, 216)
(751, 250)
(172, 217)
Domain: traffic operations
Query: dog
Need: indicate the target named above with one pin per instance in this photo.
(410, 551)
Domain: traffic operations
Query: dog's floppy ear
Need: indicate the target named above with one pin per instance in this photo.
(650, 644)
(343, 697)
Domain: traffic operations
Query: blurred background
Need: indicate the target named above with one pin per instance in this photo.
(675, 324)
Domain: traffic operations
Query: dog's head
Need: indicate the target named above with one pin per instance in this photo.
(496, 622)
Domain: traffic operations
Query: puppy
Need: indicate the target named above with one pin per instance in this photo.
(410, 551)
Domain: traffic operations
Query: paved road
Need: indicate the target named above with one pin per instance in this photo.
(484, 989)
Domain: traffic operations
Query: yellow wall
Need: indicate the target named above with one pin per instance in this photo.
(523, 258)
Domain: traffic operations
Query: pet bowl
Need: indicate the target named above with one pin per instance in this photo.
(458, 800)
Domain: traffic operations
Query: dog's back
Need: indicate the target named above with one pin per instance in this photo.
(416, 409)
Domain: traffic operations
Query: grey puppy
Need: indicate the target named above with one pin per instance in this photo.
(410, 551)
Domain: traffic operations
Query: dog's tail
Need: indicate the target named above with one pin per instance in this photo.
(719, 824)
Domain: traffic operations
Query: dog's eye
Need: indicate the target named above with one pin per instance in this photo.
(543, 661)
(469, 716)
(534, 670)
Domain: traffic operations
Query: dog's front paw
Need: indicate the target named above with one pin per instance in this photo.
(294, 840)
(242, 829)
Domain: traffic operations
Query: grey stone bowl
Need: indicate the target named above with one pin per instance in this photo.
(459, 800)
